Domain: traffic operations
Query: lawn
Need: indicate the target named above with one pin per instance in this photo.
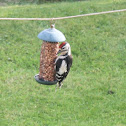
(93, 94)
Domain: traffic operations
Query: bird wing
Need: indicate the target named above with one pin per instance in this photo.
(62, 68)
(70, 61)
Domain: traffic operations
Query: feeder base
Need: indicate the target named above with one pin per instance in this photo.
(41, 81)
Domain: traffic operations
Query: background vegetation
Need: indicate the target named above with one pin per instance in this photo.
(99, 51)
(19, 2)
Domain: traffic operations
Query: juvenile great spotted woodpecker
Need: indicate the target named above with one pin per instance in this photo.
(63, 62)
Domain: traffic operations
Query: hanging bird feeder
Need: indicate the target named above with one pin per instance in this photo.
(50, 46)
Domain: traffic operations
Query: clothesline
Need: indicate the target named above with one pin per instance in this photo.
(60, 18)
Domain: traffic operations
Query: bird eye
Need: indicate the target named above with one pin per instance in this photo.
(62, 47)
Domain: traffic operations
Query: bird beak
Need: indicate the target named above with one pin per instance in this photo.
(59, 51)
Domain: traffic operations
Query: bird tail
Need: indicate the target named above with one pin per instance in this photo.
(60, 84)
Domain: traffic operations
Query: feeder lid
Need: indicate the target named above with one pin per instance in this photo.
(51, 35)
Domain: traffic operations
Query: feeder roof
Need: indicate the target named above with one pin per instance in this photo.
(51, 35)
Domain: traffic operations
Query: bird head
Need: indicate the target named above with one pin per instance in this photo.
(64, 49)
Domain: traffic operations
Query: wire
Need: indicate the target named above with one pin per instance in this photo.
(60, 18)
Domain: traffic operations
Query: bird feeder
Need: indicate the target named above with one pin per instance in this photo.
(50, 46)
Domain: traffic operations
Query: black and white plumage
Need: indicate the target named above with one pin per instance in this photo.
(63, 62)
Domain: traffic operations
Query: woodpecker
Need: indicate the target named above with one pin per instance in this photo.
(63, 62)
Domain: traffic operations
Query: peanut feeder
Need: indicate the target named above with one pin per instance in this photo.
(50, 46)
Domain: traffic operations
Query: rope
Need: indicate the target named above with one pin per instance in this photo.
(60, 18)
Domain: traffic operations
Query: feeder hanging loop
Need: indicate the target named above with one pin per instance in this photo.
(52, 23)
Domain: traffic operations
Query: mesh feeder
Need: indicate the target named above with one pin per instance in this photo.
(50, 46)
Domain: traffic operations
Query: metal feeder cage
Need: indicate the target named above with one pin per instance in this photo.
(50, 46)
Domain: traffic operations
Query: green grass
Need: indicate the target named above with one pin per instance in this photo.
(99, 64)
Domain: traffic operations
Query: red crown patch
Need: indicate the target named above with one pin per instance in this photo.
(62, 44)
